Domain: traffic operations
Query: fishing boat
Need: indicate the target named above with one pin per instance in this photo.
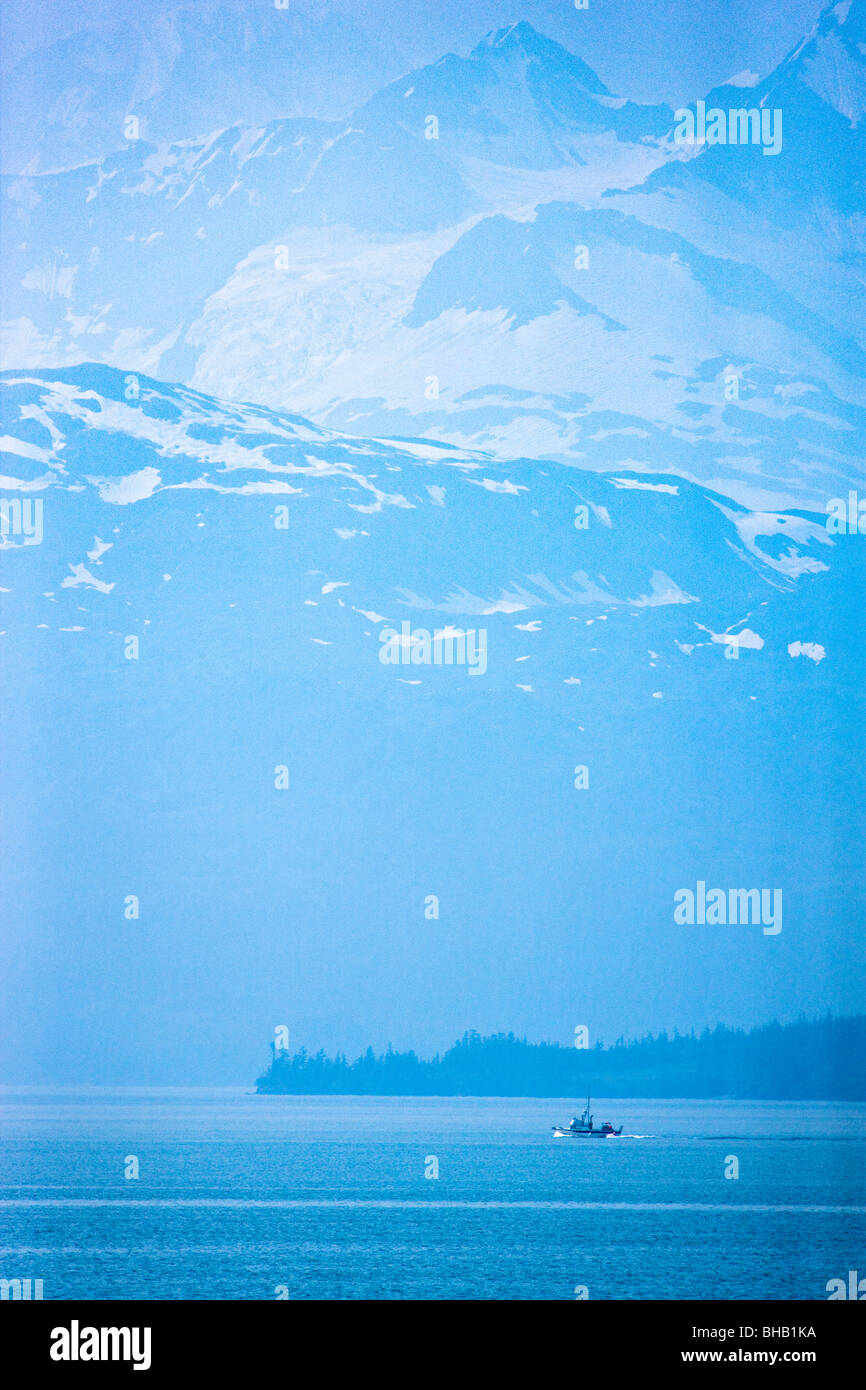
(584, 1128)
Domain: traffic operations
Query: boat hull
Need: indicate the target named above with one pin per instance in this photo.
(560, 1132)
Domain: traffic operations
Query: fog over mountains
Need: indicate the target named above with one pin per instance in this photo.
(495, 354)
(383, 282)
(74, 71)
(669, 687)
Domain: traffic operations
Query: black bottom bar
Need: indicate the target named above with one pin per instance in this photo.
(598, 1339)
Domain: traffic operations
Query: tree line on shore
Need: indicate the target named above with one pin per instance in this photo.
(811, 1059)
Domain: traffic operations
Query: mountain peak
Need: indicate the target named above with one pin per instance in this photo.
(850, 13)
(523, 39)
(841, 22)
(521, 34)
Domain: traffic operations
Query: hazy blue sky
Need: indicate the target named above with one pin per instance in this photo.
(651, 49)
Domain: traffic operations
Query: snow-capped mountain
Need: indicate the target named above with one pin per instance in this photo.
(518, 99)
(798, 214)
(198, 710)
(648, 354)
(821, 89)
(496, 252)
(397, 519)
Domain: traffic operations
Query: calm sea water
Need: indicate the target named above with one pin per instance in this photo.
(240, 1196)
